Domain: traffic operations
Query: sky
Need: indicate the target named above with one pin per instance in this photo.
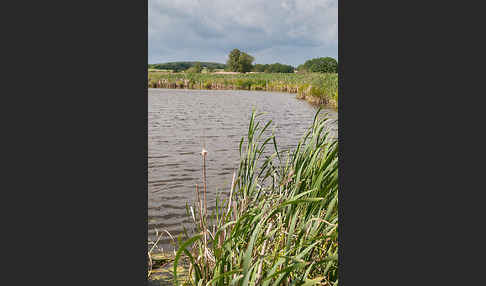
(285, 31)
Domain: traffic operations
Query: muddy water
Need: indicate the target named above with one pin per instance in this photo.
(181, 122)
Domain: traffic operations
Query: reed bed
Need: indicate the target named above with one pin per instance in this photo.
(319, 88)
(279, 224)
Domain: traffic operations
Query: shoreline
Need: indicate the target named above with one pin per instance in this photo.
(307, 96)
(316, 88)
(161, 272)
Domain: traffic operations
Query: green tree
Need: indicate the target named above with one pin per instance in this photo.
(280, 68)
(245, 62)
(323, 65)
(301, 68)
(233, 60)
(259, 68)
(326, 65)
(273, 68)
(239, 61)
(195, 69)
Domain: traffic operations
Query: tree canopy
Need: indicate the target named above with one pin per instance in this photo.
(195, 68)
(324, 65)
(239, 61)
(273, 68)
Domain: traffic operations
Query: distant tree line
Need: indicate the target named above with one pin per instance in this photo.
(273, 68)
(182, 66)
(239, 61)
(323, 65)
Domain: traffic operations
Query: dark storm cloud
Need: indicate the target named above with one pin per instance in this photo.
(286, 31)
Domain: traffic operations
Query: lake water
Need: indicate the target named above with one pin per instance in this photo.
(181, 122)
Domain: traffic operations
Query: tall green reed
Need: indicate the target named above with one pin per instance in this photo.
(279, 225)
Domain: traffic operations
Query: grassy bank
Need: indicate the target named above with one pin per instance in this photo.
(318, 88)
(279, 225)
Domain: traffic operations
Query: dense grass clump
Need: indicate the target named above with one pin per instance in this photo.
(279, 225)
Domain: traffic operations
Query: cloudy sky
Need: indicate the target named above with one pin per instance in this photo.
(285, 31)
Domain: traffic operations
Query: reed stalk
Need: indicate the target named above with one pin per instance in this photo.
(280, 223)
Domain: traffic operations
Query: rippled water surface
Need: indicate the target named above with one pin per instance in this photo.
(180, 122)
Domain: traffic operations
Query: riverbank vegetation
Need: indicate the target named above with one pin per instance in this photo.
(316, 80)
(279, 224)
(318, 88)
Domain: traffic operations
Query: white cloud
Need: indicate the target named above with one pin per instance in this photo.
(289, 30)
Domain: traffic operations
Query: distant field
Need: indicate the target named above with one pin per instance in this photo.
(320, 88)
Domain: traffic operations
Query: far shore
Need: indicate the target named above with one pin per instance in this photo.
(317, 89)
